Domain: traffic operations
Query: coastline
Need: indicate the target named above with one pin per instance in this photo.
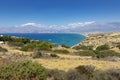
(86, 36)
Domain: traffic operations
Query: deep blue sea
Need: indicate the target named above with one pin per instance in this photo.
(62, 38)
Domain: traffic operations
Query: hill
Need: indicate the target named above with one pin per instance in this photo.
(95, 40)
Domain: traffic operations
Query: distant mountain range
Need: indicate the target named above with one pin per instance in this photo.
(68, 28)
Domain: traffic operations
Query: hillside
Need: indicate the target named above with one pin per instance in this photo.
(60, 62)
(95, 40)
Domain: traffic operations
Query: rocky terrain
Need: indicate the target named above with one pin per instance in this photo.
(95, 40)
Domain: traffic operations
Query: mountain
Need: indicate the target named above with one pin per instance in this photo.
(69, 28)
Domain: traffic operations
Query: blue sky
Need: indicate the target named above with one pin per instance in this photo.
(16, 12)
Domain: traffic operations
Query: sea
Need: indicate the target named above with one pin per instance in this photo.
(56, 38)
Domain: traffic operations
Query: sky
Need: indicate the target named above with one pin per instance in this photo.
(60, 12)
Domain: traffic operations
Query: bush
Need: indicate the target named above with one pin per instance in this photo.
(86, 53)
(54, 55)
(112, 74)
(3, 49)
(87, 70)
(37, 55)
(63, 45)
(63, 51)
(25, 70)
(74, 75)
(28, 47)
(44, 46)
(83, 47)
(106, 53)
(5, 38)
(19, 44)
(37, 46)
(55, 74)
(102, 47)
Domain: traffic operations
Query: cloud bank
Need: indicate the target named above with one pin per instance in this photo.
(79, 27)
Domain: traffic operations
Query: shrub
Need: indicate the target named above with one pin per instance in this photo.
(102, 47)
(37, 55)
(3, 49)
(28, 47)
(63, 51)
(19, 44)
(44, 46)
(54, 55)
(112, 74)
(37, 46)
(83, 47)
(86, 53)
(87, 70)
(74, 75)
(25, 70)
(5, 38)
(55, 74)
(63, 45)
(106, 53)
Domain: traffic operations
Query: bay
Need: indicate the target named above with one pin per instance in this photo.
(56, 38)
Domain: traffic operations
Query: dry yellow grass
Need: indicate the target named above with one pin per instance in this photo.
(12, 50)
(116, 50)
(71, 64)
(66, 62)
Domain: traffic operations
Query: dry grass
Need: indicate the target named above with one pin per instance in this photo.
(116, 50)
(66, 62)
(70, 64)
(13, 50)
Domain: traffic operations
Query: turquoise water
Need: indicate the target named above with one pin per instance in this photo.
(67, 39)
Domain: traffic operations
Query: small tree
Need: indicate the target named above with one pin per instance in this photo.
(102, 47)
(37, 55)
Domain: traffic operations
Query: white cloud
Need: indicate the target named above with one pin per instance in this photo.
(29, 24)
(32, 25)
(73, 25)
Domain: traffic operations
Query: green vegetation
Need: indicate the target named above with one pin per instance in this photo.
(86, 53)
(14, 41)
(102, 47)
(63, 51)
(83, 47)
(54, 55)
(24, 70)
(3, 49)
(5, 38)
(29, 47)
(98, 54)
(44, 46)
(38, 46)
(18, 41)
(65, 46)
(37, 55)
(106, 53)
(86, 70)
(55, 74)
(83, 73)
